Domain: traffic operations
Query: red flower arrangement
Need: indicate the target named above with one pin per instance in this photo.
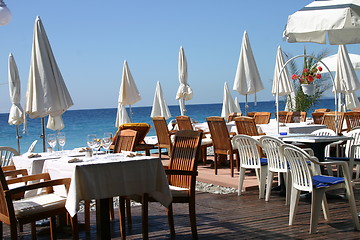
(308, 75)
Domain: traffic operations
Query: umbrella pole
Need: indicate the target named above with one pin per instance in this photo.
(43, 133)
(131, 113)
(246, 104)
(18, 137)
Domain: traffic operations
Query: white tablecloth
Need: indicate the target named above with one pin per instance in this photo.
(109, 176)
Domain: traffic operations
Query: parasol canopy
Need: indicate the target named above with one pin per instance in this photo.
(160, 108)
(184, 92)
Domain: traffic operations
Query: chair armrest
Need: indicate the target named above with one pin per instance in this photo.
(180, 172)
(27, 178)
(45, 184)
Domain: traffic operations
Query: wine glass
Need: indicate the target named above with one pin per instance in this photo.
(106, 141)
(51, 139)
(62, 140)
(91, 140)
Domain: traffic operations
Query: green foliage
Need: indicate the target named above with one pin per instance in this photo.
(304, 102)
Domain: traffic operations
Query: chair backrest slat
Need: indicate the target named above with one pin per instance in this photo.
(246, 126)
(6, 155)
(352, 120)
(125, 140)
(262, 117)
(219, 134)
(162, 131)
(184, 123)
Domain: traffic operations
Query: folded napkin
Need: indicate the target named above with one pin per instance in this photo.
(74, 160)
(130, 153)
(34, 155)
(84, 149)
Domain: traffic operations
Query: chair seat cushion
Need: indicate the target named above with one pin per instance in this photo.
(325, 181)
(179, 191)
(38, 204)
(263, 161)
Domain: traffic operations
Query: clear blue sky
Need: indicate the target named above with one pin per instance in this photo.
(91, 40)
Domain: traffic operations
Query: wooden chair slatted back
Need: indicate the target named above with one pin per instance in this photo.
(162, 131)
(184, 123)
(329, 120)
(293, 117)
(317, 117)
(246, 126)
(303, 116)
(282, 116)
(352, 120)
(141, 128)
(184, 156)
(4, 209)
(262, 117)
(125, 140)
(219, 134)
(233, 115)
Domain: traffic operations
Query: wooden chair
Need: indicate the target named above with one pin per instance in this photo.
(250, 158)
(250, 114)
(125, 140)
(142, 129)
(182, 172)
(6, 155)
(293, 117)
(306, 178)
(246, 126)
(356, 109)
(233, 115)
(184, 123)
(329, 120)
(317, 117)
(29, 210)
(163, 134)
(282, 116)
(262, 117)
(303, 116)
(222, 142)
(352, 120)
(322, 110)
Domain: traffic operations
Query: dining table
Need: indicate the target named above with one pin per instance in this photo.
(103, 177)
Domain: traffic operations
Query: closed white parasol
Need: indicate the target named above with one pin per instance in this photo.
(16, 115)
(47, 93)
(128, 95)
(184, 92)
(159, 107)
(247, 78)
(229, 104)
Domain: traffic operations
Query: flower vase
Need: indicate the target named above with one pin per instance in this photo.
(308, 89)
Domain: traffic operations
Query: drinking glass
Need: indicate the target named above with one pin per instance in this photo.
(91, 141)
(51, 139)
(106, 141)
(61, 139)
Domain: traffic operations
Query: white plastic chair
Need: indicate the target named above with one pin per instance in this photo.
(325, 132)
(351, 152)
(250, 158)
(32, 146)
(276, 164)
(6, 155)
(309, 179)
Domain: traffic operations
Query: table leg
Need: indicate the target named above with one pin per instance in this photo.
(102, 219)
(145, 230)
(122, 217)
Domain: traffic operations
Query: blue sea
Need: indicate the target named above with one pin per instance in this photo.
(80, 123)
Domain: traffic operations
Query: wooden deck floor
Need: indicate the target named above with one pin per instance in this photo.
(229, 216)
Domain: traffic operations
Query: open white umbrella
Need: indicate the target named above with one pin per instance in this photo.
(247, 78)
(16, 115)
(184, 92)
(339, 20)
(47, 93)
(129, 93)
(331, 61)
(159, 107)
(229, 105)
